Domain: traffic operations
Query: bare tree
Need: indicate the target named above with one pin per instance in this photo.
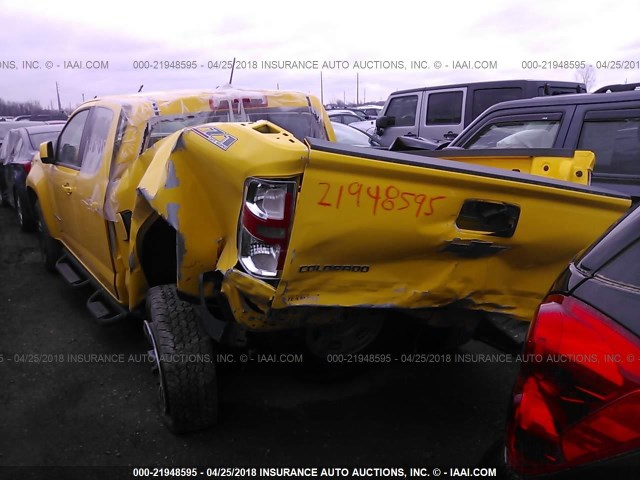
(587, 75)
(20, 108)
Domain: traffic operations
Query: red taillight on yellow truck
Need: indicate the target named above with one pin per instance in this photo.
(577, 396)
(265, 225)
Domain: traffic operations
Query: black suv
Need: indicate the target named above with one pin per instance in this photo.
(575, 406)
(607, 122)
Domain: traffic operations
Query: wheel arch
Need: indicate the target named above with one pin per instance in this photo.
(156, 245)
(46, 207)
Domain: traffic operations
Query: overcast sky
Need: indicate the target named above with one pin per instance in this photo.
(123, 32)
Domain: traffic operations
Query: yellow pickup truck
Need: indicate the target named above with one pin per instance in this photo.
(218, 214)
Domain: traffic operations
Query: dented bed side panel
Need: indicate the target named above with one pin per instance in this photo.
(385, 235)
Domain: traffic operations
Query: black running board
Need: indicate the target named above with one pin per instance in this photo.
(69, 271)
(104, 308)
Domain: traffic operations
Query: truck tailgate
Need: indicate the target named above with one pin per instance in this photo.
(392, 230)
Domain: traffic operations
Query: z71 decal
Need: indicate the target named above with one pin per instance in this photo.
(216, 136)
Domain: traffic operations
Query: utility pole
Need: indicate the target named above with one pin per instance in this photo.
(357, 88)
(321, 89)
(233, 67)
(58, 93)
(83, 98)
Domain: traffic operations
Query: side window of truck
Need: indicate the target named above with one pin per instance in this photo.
(404, 110)
(98, 129)
(614, 140)
(540, 132)
(444, 108)
(68, 153)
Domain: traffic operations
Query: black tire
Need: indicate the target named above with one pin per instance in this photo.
(23, 212)
(494, 457)
(50, 248)
(185, 359)
(4, 193)
(4, 198)
(441, 339)
(325, 346)
(352, 335)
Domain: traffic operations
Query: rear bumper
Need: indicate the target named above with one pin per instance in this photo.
(238, 298)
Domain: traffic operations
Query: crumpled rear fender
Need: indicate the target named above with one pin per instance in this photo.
(196, 186)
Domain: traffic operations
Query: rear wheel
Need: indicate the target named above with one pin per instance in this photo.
(330, 346)
(4, 194)
(4, 198)
(50, 248)
(184, 357)
(441, 330)
(25, 219)
(349, 336)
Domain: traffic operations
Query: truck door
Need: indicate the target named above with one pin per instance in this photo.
(488, 130)
(613, 134)
(89, 229)
(62, 174)
(405, 111)
(443, 114)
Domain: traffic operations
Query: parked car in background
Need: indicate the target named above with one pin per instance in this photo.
(575, 408)
(358, 113)
(606, 122)
(21, 146)
(4, 197)
(46, 117)
(42, 117)
(349, 135)
(440, 113)
(371, 111)
(345, 116)
(349, 117)
(5, 127)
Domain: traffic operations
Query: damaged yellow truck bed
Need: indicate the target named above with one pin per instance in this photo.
(374, 229)
(388, 230)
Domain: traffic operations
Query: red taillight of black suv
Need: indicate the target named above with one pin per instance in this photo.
(577, 396)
